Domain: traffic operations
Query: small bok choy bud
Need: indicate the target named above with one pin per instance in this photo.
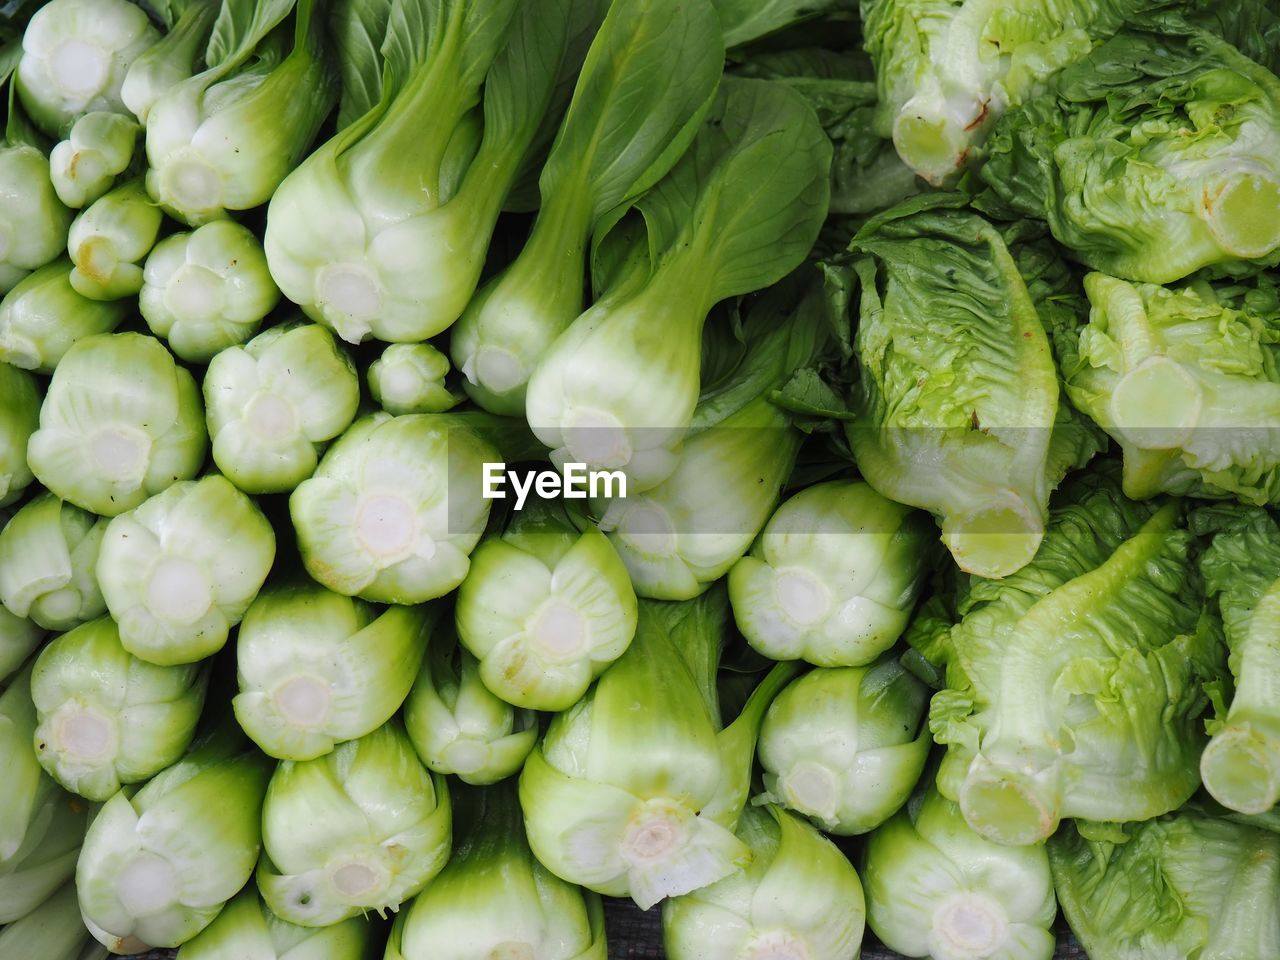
(834, 576)
(223, 139)
(494, 899)
(798, 899)
(48, 559)
(409, 378)
(273, 403)
(618, 388)
(635, 790)
(380, 828)
(109, 241)
(179, 571)
(649, 76)
(1241, 765)
(411, 187)
(207, 290)
(158, 866)
(845, 746)
(75, 54)
(107, 718)
(937, 889)
(19, 419)
(247, 929)
(121, 422)
(43, 316)
(316, 668)
(458, 726)
(396, 506)
(52, 930)
(97, 150)
(545, 608)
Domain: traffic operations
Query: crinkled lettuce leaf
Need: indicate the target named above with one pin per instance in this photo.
(1150, 158)
(1075, 687)
(1182, 887)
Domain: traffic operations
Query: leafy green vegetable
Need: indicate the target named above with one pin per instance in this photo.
(48, 562)
(619, 387)
(19, 419)
(409, 378)
(1186, 887)
(47, 856)
(545, 609)
(1152, 157)
(207, 290)
(1075, 687)
(107, 718)
(273, 404)
(1241, 567)
(648, 79)
(798, 897)
(1186, 380)
(246, 928)
(316, 668)
(937, 889)
(957, 397)
(379, 828)
(51, 931)
(494, 898)
(109, 240)
(98, 148)
(179, 571)
(43, 315)
(833, 578)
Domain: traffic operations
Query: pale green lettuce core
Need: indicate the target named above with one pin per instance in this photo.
(1075, 687)
(106, 717)
(649, 76)
(272, 404)
(957, 398)
(75, 54)
(834, 577)
(946, 71)
(844, 746)
(618, 388)
(121, 422)
(98, 149)
(43, 315)
(798, 899)
(679, 537)
(316, 668)
(1153, 157)
(635, 790)
(457, 726)
(179, 571)
(109, 240)
(1188, 384)
(1216, 896)
(545, 609)
(247, 929)
(207, 290)
(19, 419)
(409, 378)
(494, 899)
(48, 560)
(380, 828)
(1241, 765)
(937, 889)
(157, 867)
(382, 231)
(33, 221)
(52, 930)
(395, 508)
(223, 139)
